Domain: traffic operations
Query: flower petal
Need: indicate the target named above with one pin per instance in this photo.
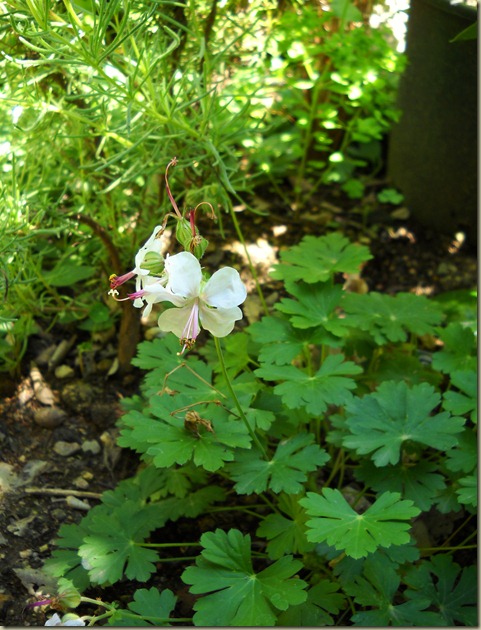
(219, 321)
(224, 289)
(184, 274)
(175, 320)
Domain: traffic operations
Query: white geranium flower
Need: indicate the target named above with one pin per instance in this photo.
(68, 620)
(153, 246)
(211, 304)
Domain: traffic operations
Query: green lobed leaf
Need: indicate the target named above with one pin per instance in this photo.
(448, 588)
(153, 609)
(328, 386)
(237, 595)
(112, 546)
(383, 524)
(468, 490)
(280, 342)
(317, 259)
(458, 353)
(286, 471)
(161, 435)
(323, 601)
(416, 481)
(391, 318)
(465, 401)
(381, 422)
(377, 587)
(314, 307)
(464, 456)
(285, 535)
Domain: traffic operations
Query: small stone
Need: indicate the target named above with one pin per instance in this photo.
(77, 504)
(91, 446)
(80, 482)
(64, 371)
(49, 417)
(26, 553)
(66, 448)
(59, 514)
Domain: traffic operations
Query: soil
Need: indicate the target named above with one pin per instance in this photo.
(57, 429)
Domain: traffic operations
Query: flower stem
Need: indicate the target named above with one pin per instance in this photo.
(254, 437)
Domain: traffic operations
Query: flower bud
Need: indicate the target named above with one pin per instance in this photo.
(198, 246)
(68, 596)
(183, 233)
(154, 263)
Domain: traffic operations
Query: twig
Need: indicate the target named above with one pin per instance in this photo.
(61, 492)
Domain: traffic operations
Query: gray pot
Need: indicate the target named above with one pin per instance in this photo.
(432, 156)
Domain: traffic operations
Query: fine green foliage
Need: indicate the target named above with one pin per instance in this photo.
(383, 524)
(238, 595)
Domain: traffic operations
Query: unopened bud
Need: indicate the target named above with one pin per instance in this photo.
(68, 597)
(183, 233)
(198, 246)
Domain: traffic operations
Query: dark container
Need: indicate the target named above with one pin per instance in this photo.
(432, 155)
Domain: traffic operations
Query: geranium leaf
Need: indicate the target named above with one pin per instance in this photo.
(391, 318)
(284, 472)
(323, 600)
(280, 342)
(317, 259)
(238, 596)
(286, 535)
(328, 386)
(314, 306)
(452, 591)
(465, 401)
(111, 547)
(468, 490)
(459, 352)
(160, 434)
(153, 608)
(417, 482)
(381, 422)
(383, 524)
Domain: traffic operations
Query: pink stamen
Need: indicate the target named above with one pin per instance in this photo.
(192, 328)
(42, 603)
(116, 281)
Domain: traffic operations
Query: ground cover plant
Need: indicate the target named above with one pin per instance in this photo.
(320, 422)
(329, 434)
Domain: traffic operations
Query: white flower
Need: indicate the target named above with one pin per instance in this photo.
(152, 246)
(68, 621)
(211, 304)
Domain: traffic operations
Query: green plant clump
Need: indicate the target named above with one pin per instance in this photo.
(328, 441)
(98, 96)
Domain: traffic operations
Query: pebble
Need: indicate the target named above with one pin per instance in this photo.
(64, 371)
(77, 504)
(66, 448)
(49, 417)
(59, 514)
(81, 483)
(91, 446)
